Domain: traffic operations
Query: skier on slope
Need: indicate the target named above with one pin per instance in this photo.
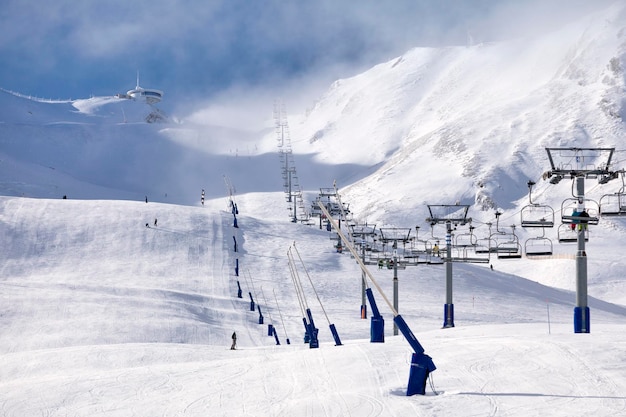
(234, 345)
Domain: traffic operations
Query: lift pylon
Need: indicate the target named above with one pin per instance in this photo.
(448, 214)
(579, 164)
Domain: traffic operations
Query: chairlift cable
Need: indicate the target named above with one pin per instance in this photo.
(311, 281)
(280, 314)
(266, 305)
(293, 280)
(358, 259)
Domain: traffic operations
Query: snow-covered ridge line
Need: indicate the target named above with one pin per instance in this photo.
(34, 98)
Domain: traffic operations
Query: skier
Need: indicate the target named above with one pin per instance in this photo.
(234, 345)
(202, 197)
(155, 221)
(575, 213)
(583, 223)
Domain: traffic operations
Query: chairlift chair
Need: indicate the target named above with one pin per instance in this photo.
(569, 211)
(485, 245)
(469, 255)
(613, 204)
(536, 215)
(509, 250)
(567, 235)
(464, 240)
(538, 246)
(508, 246)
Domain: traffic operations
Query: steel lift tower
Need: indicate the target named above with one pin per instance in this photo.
(579, 164)
(291, 184)
(451, 215)
(395, 235)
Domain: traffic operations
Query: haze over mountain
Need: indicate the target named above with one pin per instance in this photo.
(479, 114)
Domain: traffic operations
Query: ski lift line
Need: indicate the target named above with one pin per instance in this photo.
(358, 259)
(292, 273)
(298, 295)
(229, 188)
(343, 213)
(252, 284)
(280, 314)
(267, 305)
(298, 281)
(310, 281)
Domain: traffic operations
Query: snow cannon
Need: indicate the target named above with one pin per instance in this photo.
(421, 364)
(251, 301)
(313, 341)
(377, 324)
(260, 314)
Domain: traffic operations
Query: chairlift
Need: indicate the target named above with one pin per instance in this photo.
(536, 215)
(509, 250)
(468, 254)
(507, 244)
(613, 204)
(568, 235)
(464, 240)
(485, 245)
(570, 214)
(538, 245)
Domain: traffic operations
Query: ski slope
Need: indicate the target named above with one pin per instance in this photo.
(105, 316)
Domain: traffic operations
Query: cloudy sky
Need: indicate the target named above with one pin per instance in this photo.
(222, 50)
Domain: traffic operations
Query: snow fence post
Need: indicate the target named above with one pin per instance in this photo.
(239, 292)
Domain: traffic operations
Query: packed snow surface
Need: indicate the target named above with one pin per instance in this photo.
(103, 315)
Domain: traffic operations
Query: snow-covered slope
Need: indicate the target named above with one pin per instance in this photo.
(105, 316)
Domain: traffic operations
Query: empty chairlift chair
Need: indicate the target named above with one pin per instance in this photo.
(540, 216)
(614, 204)
(538, 246)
